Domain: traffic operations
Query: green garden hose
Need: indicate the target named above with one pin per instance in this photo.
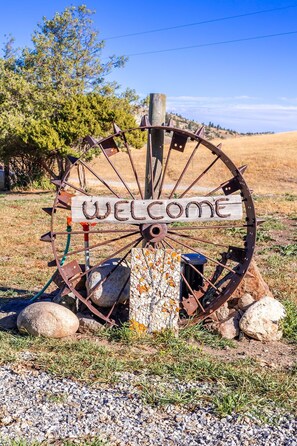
(40, 293)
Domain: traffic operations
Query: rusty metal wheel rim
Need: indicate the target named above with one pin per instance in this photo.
(172, 239)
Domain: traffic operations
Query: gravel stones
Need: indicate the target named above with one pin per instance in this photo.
(47, 319)
(107, 293)
(261, 319)
(37, 407)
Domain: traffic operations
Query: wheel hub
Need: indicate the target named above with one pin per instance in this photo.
(154, 232)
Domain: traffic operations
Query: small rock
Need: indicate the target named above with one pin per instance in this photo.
(47, 319)
(260, 321)
(223, 312)
(229, 328)
(8, 321)
(88, 325)
(245, 301)
(107, 293)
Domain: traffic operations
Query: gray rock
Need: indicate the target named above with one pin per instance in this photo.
(245, 301)
(223, 312)
(47, 319)
(261, 320)
(107, 293)
(88, 325)
(8, 320)
(229, 329)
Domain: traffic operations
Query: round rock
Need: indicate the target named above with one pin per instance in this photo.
(107, 293)
(47, 319)
(261, 320)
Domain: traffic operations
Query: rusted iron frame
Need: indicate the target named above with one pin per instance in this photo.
(192, 292)
(99, 178)
(119, 296)
(185, 169)
(132, 163)
(199, 252)
(198, 239)
(200, 176)
(150, 145)
(195, 269)
(116, 171)
(97, 245)
(111, 256)
(91, 291)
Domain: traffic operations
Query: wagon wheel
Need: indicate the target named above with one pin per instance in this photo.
(193, 166)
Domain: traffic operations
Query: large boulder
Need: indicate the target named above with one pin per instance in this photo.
(47, 319)
(261, 320)
(253, 284)
(107, 293)
(88, 325)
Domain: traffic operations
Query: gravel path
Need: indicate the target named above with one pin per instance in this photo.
(36, 406)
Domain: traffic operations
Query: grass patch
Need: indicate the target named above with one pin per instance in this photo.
(289, 324)
(241, 386)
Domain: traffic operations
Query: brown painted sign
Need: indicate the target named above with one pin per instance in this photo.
(115, 210)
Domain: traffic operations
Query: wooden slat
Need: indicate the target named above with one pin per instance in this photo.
(110, 209)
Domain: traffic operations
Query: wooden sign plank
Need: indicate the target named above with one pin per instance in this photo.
(110, 209)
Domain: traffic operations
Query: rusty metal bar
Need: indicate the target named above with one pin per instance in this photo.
(192, 292)
(99, 178)
(191, 228)
(132, 165)
(118, 296)
(195, 269)
(199, 252)
(103, 231)
(116, 171)
(200, 176)
(111, 256)
(91, 291)
(184, 169)
(76, 188)
(198, 239)
(98, 244)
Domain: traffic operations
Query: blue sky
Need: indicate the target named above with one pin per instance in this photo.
(247, 85)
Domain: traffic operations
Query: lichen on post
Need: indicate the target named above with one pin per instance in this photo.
(154, 290)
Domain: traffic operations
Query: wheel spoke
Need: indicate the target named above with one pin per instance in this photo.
(102, 231)
(115, 253)
(132, 164)
(195, 269)
(78, 189)
(99, 178)
(118, 296)
(184, 169)
(97, 245)
(192, 292)
(200, 176)
(164, 171)
(200, 252)
(191, 228)
(91, 291)
(116, 171)
(198, 239)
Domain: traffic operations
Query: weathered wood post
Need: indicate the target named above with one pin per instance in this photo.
(155, 146)
(155, 273)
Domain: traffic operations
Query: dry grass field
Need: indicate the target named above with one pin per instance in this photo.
(271, 160)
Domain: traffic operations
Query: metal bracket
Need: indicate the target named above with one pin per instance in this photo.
(178, 142)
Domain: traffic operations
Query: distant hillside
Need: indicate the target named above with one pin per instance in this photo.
(212, 131)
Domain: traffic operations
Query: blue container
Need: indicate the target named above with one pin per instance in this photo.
(193, 278)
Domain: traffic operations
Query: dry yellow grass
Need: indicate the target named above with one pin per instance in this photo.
(271, 160)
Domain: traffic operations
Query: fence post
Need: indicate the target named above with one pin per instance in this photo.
(155, 147)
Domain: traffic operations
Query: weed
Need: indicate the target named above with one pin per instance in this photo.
(289, 324)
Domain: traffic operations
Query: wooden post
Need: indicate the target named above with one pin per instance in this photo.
(157, 113)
